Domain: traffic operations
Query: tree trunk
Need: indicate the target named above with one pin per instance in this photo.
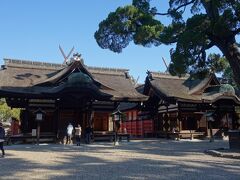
(225, 42)
(232, 53)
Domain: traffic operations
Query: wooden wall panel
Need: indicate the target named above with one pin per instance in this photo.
(101, 121)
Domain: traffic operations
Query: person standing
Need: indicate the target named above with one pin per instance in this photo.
(78, 132)
(69, 133)
(2, 136)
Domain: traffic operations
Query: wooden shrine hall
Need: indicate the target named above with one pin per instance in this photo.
(188, 107)
(72, 93)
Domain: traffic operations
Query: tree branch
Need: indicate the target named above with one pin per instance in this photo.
(161, 14)
(175, 9)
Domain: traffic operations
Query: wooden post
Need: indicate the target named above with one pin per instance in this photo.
(114, 129)
(180, 124)
(142, 130)
(26, 120)
(191, 134)
(89, 115)
(57, 120)
(39, 117)
(117, 143)
(116, 137)
(38, 132)
(207, 126)
(211, 132)
(227, 120)
(56, 124)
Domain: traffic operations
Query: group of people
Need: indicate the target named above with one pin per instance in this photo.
(70, 129)
(78, 132)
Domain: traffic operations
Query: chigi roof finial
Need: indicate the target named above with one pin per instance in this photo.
(66, 58)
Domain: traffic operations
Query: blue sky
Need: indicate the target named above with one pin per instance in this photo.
(33, 30)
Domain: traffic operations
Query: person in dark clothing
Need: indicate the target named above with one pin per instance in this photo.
(2, 136)
(88, 134)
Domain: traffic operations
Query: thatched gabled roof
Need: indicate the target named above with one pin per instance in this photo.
(185, 88)
(29, 78)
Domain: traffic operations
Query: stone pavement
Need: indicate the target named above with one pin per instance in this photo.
(138, 159)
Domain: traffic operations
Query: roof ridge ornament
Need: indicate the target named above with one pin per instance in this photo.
(77, 57)
(66, 58)
(149, 74)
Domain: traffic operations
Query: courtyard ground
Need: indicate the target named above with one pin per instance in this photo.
(138, 159)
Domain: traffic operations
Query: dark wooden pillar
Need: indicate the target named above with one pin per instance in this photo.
(207, 127)
(180, 121)
(26, 120)
(211, 132)
(56, 120)
(38, 132)
(90, 115)
(88, 118)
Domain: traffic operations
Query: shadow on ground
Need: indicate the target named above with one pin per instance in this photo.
(147, 159)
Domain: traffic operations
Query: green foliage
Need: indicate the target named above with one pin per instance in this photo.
(216, 63)
(213, 23)
(228, 74)
(227, 88)
(143, 5)
(128, 24)
(6, 112)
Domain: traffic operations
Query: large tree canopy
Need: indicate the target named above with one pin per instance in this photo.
(210, 23)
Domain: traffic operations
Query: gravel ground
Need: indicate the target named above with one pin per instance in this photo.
(138, 159)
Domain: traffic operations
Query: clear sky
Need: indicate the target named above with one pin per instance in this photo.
(33, 30)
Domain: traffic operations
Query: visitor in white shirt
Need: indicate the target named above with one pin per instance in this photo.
(69, 133)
